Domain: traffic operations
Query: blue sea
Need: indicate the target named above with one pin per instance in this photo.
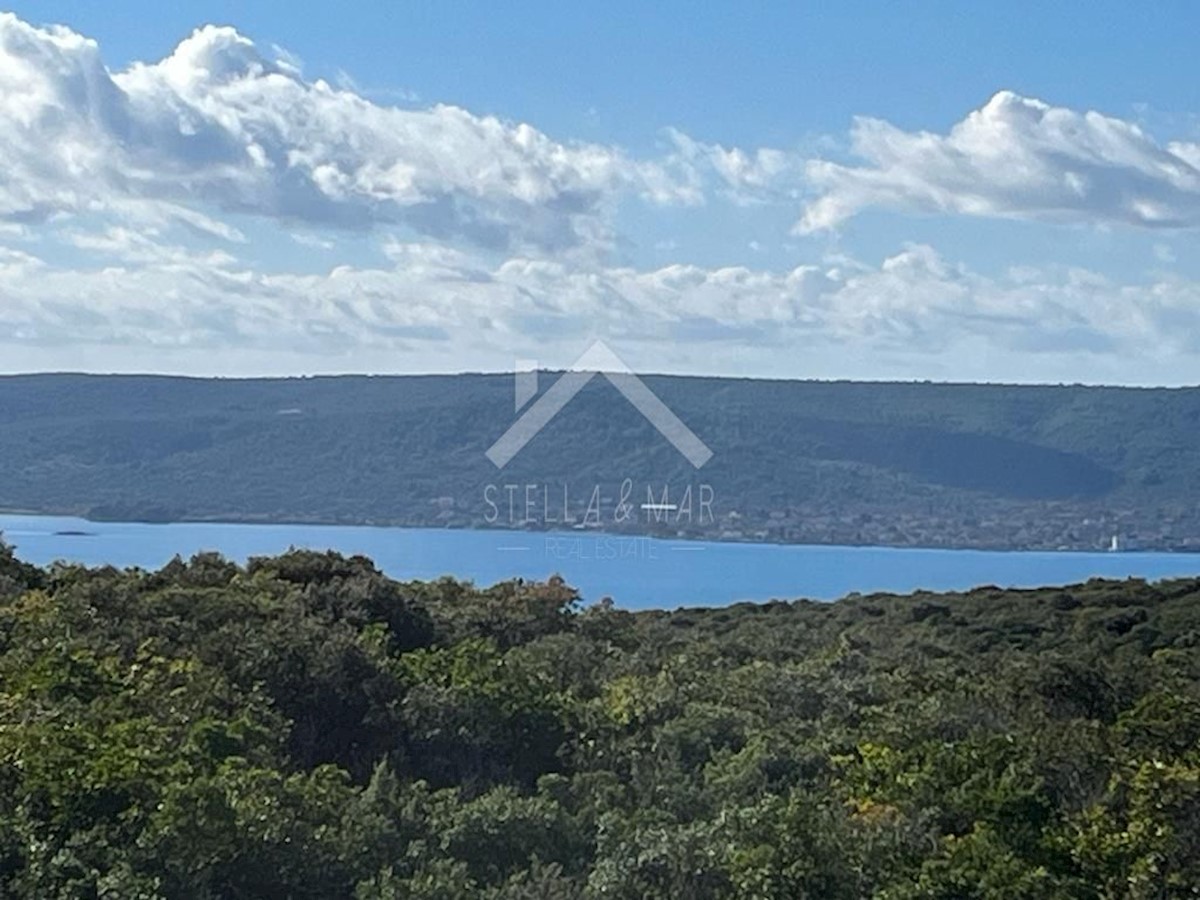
(637, 573)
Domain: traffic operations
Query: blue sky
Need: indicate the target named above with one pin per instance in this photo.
(861, 190)
(774, 74)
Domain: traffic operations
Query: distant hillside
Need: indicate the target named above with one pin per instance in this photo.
(906, 464)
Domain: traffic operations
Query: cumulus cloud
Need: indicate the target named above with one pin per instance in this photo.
(747, 176)
(914, 314)
(221, 126)
(1018, 158)
(118, 185)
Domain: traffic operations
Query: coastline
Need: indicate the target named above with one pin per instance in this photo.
(332, 522)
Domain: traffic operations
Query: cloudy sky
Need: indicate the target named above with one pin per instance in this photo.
(878, 192)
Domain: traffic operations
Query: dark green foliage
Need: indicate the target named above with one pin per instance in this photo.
(16, 577)
(305, 727)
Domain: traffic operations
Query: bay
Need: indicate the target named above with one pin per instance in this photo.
(637, 573)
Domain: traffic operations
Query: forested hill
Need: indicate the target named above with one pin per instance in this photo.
(926, 464)
(304, 727)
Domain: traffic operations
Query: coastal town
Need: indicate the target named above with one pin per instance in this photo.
(987, 524)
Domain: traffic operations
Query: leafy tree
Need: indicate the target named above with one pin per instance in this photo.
(304, 726)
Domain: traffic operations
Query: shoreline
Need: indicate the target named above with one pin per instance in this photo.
(317, 522)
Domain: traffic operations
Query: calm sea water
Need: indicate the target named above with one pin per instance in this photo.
(635, 572)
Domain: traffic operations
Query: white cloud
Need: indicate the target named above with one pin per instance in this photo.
(746, 176)
(490, 231)
(143, 247)
(304, 239)
(220, 126)
(1014, 158)
(913, 315)
(1164, 254)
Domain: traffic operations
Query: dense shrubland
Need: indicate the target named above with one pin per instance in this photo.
(305, 727)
